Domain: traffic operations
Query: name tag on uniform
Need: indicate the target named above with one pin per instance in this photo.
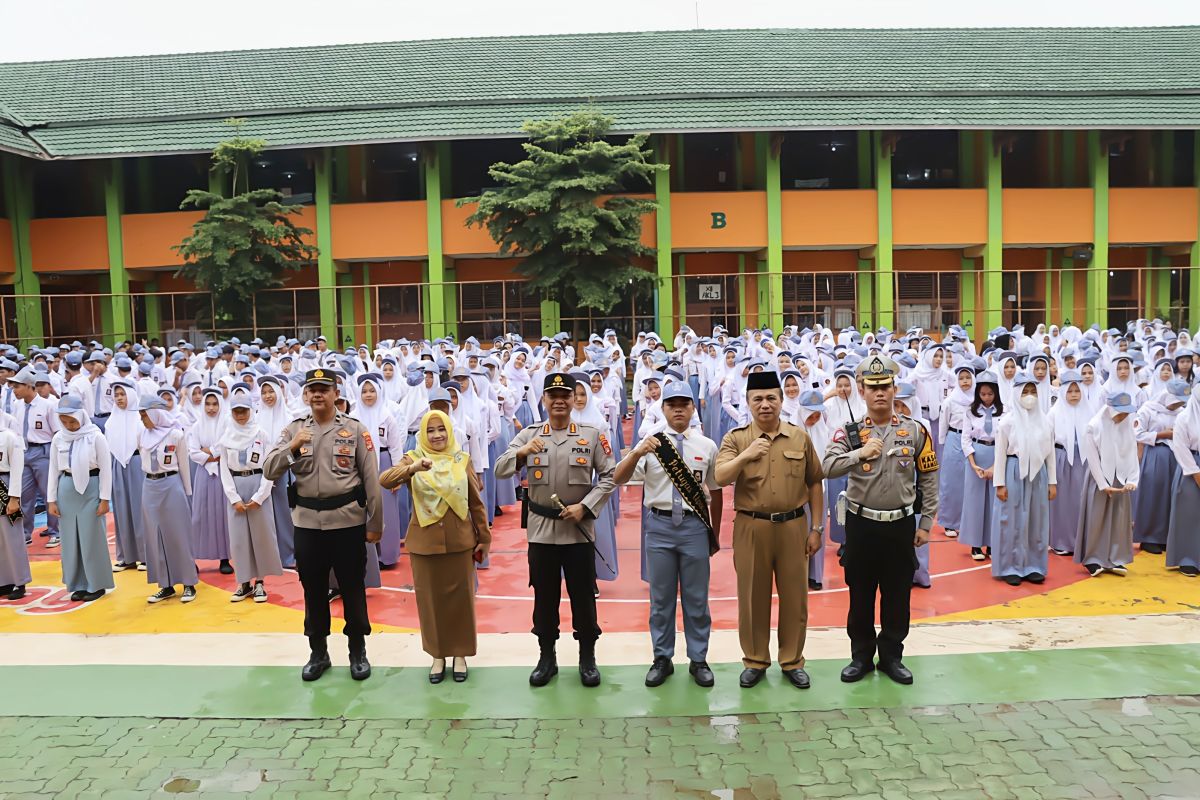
(254, 458)
(166, 459)
(37, 424)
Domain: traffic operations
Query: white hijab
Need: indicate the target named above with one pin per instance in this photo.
(1070, 421)
(81, 457)
(124, 426)
(1029, 431)
(1116, 447)
(235, 438)
(208, 430)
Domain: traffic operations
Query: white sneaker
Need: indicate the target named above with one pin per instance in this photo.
(1119, 570)
(162, 594)
(260, 593)
(121, 566)
(951, 533)
(189, 594)
(54, 542)
(141, 566)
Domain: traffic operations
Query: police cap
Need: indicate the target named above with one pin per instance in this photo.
(877, 371)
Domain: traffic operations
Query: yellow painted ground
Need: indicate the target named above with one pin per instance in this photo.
(126, 611)
(1149, 588)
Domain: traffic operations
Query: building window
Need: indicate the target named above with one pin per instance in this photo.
(927, 300)
(829, 298)
(709, 162)
(68, 189)
(288, 171)
(819, 160)
(926, 160)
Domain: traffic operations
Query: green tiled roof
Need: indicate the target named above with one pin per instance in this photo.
(654, 81)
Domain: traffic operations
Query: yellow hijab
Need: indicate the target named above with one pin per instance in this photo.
(444, 487)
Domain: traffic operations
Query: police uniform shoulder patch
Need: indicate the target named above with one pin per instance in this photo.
(839, 435)
(927, 459)
(605, 445)
(367, 441)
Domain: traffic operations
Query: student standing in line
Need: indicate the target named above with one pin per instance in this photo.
(251, 515)
(1183, 537)
(1025, 484)
(79, 490)
(122, 431)
(953, 471)
(166, 514)
(978, 440)
(1105, 539)
(1069, 419)
(1153, 430)
(14, 557)
(209, 526)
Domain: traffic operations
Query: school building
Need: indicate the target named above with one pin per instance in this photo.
(877, 177)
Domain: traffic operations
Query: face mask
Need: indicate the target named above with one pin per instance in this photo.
(1029, 401)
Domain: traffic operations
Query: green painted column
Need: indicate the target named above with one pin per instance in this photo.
(154, 326)
(118, 299)
(681, 288)
(18, 194)
(764, 297)
(665, 304)
(367, 296)
(551, 317)
(967, 299)
(774, 309)
(744, 322)
(864, 288)
(348, 330)
(106, 312)
(993, 249)
(1097, 276)
(1048, 282)
(450, 307)
(1066, 289)
(326, 271)
(966, 159)
(1193, 300)
(435, 273)
(885, 290)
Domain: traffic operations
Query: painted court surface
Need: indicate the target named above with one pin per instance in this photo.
(1078, 688)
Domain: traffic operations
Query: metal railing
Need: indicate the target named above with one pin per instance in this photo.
(485, 309)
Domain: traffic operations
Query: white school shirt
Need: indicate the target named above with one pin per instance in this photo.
(98, 458)
(12, 461)
(251, 458)
(699, 453)
(976, 428)
(42, 413)
(171, 455)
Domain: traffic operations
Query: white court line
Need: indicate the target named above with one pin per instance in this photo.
(646, 600)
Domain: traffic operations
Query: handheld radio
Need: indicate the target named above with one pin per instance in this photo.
(852, 428)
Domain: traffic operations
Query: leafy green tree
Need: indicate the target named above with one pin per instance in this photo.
(559, 208)
(243, 243)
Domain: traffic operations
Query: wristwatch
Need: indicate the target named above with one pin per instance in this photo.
(818, 528)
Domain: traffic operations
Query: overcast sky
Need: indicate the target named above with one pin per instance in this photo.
(58, 29)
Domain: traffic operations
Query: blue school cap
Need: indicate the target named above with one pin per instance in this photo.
(1120, 402)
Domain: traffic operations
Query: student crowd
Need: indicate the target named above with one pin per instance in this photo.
(1076, 443)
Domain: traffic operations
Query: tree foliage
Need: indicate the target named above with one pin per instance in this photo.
(243, 243)
(559, 208)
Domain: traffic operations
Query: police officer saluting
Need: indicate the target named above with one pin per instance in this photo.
(560, 508)
(893, 476)
(336, 509)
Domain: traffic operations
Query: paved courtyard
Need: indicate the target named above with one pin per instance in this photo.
(1134, 748)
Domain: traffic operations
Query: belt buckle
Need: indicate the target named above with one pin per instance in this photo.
(779, 516)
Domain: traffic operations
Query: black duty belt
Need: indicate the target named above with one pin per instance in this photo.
(953, 430)
(383, 449)
(356, 495)
(158, 476)
(246, 473)
(549, 512)
(658, 512)
(777, 516)
(92, 472)
(101, 416)
(988, 442)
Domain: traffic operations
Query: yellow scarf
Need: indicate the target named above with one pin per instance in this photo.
(444, 487)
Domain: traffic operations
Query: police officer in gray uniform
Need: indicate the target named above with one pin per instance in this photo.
(559, 457)
(336, 508)
(893, 477)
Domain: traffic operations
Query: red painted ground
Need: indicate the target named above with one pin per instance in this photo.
(505, 599)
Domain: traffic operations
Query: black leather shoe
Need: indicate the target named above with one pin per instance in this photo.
(660, 670)
(1035, 577)
(318, 662)
(77, 597)
(17, 593)
(547, 668)
(1012, 580)
(437, 677)
(6, 588)
(815, 586)
(360, 668)
(896, 671)
(226, 568)
(701, 673)
(856, 671)
(589, 673)
(798, 677)
(460, 677)
(750, 677)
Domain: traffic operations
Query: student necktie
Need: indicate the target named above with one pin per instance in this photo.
(987, 421)
(25, 423)
(676, 499)
(99, 386)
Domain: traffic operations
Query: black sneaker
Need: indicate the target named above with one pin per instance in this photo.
(334, 594)
(189, 594)
(243, 591)
(1095, 570)
(977, 554)
(162, 594)
(1189, 571)
(226, 568)
(121, 566)
(260, 593)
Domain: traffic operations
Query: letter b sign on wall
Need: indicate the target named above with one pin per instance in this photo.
(718, 220)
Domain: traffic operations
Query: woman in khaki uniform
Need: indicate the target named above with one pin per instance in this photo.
(448, 529)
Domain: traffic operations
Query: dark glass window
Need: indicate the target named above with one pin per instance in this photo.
(68, 188)
(709, 162)
(819, 160)
(926, 160)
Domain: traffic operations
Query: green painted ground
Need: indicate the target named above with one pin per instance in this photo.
(1139, 748)
(504, 693)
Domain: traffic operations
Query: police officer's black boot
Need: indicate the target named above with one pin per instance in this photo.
(360, 668)
(318, 660)
(547, 666)
(589, 673)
